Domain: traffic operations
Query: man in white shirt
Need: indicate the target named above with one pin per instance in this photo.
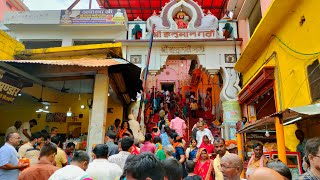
(201, 132)
(14, 129)
(25, 130)
(31, 149)
(120, 158)
(100, 168)
(76, 170)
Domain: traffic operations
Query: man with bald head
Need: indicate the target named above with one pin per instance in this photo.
(231, 166)
(263, 173)
(9, 158)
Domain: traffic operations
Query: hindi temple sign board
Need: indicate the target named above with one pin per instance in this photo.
(93, 16)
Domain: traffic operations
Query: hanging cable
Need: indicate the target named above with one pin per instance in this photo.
(301, 53)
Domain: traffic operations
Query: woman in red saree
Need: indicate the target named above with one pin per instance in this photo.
(204, 165)
(206, 144)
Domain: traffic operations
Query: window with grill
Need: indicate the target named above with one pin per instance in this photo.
(314, 80)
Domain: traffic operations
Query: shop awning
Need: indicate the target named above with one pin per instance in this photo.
(288, 116)
(83, 62)
(124, 76)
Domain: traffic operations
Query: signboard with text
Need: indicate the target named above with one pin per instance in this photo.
(9, 89)
(93, 16)
(185, 34)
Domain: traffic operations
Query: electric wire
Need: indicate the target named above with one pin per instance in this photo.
(301, 53)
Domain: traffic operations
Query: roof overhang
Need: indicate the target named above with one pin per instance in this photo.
(145, 8)
(264, 31)
(106, 50)
(288, 116)
(261, 83)
(19, 5)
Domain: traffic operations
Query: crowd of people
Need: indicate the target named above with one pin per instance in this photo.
(163, 156)
(162, 153)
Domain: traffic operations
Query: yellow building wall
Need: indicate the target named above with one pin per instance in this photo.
(117, 111)
(9, 46)
(292, 79)
(24, 108)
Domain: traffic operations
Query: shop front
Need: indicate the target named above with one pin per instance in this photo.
(80, 90)
(264, 132)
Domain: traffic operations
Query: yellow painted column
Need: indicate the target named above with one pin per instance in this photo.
(97, 124)
(280, 141)
(240, 150)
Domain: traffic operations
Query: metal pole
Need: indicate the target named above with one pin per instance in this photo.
(90, 4)
(146, 74)
(280, 140)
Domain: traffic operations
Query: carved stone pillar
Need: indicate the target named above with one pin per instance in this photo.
(230, 104)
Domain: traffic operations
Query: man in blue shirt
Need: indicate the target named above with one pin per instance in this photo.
(9, 158)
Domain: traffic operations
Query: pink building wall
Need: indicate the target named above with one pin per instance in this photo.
(243, 30)
(264, 6)
(243, 26)
(176, 71)
(16, 5)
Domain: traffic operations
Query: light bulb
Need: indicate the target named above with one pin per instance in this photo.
(46, 107)
(19, 94)
(82, 106)
(69, 113)
(108, 94)
(267, 133)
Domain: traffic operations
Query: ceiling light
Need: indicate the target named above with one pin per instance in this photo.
(82, 106)
(46, 107)
(69, 113)
(267, 133)
(181, 64)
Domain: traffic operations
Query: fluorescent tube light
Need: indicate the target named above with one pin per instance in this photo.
(292, 121)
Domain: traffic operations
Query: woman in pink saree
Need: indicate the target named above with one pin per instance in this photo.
(204, 165)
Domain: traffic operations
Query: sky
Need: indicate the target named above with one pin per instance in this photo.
(58, 4)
